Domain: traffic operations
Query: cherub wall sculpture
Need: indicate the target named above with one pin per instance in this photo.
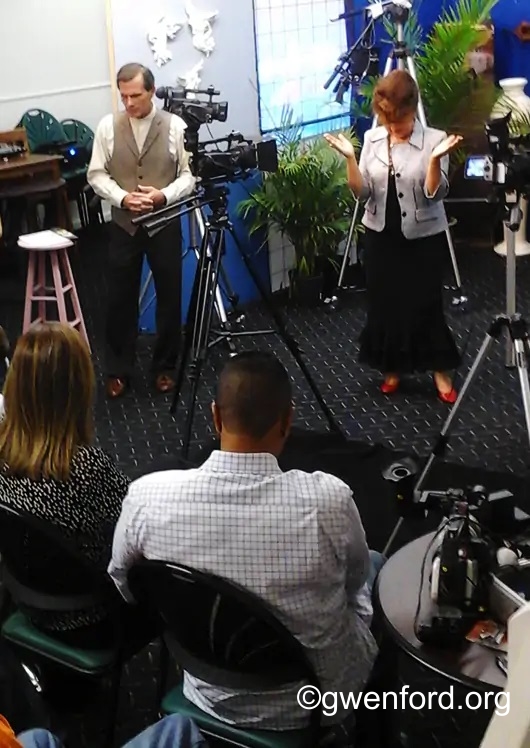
(200, 23)
(158, 36)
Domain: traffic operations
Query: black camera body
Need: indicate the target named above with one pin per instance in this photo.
(458, 588)
(209, 162)
(193, 111)
(507, 166)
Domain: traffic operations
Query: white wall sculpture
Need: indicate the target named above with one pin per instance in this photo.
(192, 78)
(200, 23)
(158, 36)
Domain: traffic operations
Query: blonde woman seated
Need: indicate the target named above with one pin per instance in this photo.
(48, 466)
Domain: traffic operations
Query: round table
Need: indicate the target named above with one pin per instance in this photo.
(425, 668)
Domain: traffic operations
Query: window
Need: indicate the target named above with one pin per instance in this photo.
(298, 47)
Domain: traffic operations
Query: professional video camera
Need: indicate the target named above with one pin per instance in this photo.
(209, 162)
(457, 566)
(464, 556)
(508, 164)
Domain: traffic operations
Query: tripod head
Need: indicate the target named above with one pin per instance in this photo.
(216, 198)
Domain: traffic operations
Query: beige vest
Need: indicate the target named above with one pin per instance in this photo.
(154, 166)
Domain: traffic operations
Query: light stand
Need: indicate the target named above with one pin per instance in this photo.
(403, 60)
(199, 336)
(518, 352)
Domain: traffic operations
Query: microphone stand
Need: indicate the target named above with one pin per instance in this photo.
(343, 67)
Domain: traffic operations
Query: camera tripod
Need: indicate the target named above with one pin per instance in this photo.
(400, 55)
(199, 336)
(196, 228)
(518, 344)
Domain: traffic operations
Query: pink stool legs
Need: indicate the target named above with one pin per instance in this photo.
(62, 291)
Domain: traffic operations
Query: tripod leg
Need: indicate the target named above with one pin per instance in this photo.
(412, 72)
(443, 438)
(219, 305)
(388, 65)
(349, 245)
(202, 333)
(521, 357)
(289, 341)
(393, 536)
(459, 298)
(190, 331)
(511, 290)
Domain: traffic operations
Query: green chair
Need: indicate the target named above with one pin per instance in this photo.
(47, 135)
(77, 132)
(224, 635)
(88, 203)
(42, 130)
(24, 541)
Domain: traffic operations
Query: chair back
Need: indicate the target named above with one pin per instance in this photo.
(220, 632)
(79, 133)
(43, 130)
(25, 542)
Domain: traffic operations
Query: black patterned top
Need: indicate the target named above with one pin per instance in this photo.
(88, 504)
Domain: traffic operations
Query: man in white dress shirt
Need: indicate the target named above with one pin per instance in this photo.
(139, 164)
(293, 538)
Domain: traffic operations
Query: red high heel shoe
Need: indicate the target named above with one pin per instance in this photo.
(388, 388)
(449, 397)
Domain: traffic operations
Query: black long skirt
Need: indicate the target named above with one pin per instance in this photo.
(406, 330)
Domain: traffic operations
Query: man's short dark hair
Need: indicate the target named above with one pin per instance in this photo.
(129, 71)
(253, 393)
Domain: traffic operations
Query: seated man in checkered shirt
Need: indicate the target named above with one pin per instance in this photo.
(294, 538)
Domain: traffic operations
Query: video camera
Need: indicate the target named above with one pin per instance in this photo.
(508, 164)
(456, 573)
(208, 161)
(459, 580)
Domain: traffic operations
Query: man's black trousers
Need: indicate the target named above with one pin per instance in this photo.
(126, 255)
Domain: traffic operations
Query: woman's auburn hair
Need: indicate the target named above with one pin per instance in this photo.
(395, 97)
(48, 391)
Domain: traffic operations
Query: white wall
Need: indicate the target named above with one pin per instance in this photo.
(54, 56)
(231, 68)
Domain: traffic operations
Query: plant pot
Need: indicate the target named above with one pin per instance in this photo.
(305, 290)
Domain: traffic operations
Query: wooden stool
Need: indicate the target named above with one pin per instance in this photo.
(43, 245)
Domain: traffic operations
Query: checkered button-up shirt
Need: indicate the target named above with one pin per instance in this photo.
(294, 538)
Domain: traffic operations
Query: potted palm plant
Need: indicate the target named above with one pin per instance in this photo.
(308, 201)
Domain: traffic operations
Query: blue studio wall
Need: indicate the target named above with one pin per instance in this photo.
(427, 11)
(238, 276)
(512, 56)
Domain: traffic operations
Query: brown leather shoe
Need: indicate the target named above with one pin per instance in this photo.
(115, 387)
(164, 383)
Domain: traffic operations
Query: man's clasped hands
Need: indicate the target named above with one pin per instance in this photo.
(144, 200)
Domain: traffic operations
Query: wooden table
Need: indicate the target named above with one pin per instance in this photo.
(26, 173)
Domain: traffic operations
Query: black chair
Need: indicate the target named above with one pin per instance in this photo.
(24, 542)
(225, 635)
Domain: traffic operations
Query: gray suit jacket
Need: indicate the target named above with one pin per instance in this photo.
(422, 214)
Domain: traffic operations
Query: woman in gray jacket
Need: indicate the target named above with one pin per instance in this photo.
(402, 179)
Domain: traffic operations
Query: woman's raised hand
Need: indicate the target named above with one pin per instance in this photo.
(341, 144)
(446, 146)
